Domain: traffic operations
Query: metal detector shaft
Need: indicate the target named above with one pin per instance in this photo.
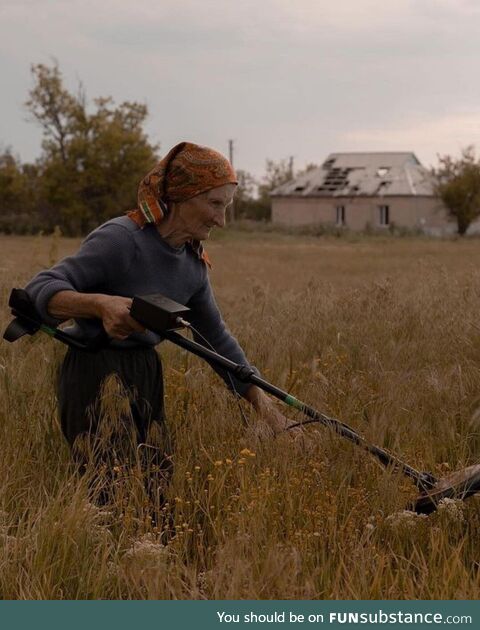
(247, 375)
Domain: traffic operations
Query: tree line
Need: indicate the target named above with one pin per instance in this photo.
(92, 159)
(94, 155)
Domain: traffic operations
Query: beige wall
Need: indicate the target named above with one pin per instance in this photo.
(404, 211)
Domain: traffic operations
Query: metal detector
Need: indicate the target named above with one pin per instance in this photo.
(164, 316)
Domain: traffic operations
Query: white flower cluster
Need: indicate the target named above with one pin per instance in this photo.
(146, 550)
(452, 509)
(99, 515)
(405, 519)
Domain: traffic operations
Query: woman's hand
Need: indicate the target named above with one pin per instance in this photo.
(268, 411)
(114, 311)
(278, 422)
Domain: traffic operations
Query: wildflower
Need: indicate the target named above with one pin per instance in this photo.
(146, 550)
(246, 452)
(98, 514)
(452, 509)
(405, 519)
(228, 461)
(218, 463)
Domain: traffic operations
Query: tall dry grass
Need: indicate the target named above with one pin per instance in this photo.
(382, 333)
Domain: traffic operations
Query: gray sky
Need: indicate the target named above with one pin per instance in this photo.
(280, 77)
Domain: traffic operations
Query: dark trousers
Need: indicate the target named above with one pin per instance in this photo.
(112, 414)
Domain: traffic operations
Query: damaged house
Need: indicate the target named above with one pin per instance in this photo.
(361, 190)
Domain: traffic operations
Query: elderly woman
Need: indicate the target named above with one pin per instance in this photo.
(153, 249)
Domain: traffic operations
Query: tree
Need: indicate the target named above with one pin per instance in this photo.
(252, 199)
(12, 184)
(56, 110)
(457, 183)
(18, 195)
(276, 174)
(92, 161)
(244, 196)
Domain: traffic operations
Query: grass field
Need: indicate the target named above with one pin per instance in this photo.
(382, 333)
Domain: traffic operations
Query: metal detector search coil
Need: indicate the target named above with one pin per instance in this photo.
(460, 485)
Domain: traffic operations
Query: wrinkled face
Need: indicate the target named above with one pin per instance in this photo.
(205, 211)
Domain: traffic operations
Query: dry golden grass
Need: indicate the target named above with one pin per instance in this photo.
(382, 333)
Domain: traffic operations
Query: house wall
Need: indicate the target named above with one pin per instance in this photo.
(411, 212)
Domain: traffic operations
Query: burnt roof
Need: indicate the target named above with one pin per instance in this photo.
(367, 174)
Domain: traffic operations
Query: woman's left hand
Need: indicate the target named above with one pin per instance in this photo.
(269, 412)
(278, 422)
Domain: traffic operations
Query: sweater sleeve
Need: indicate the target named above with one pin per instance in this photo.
(206, 318)
(104, 254)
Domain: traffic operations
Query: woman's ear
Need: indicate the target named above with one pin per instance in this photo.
(164, 207)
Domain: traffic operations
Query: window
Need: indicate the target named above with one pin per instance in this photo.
(340, 215)
(384, 215)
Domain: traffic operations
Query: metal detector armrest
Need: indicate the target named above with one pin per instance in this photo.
(28, 322)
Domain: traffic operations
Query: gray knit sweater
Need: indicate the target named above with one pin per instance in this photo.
(119, 258)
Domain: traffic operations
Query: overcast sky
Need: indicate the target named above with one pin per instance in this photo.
(280, 77)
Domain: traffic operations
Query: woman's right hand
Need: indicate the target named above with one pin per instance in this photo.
(114, 311)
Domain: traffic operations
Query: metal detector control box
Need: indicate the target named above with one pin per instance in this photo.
(157, 312)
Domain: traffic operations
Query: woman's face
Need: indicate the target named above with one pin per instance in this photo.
(198, 215)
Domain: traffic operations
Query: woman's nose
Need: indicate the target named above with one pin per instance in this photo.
(219, 219)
